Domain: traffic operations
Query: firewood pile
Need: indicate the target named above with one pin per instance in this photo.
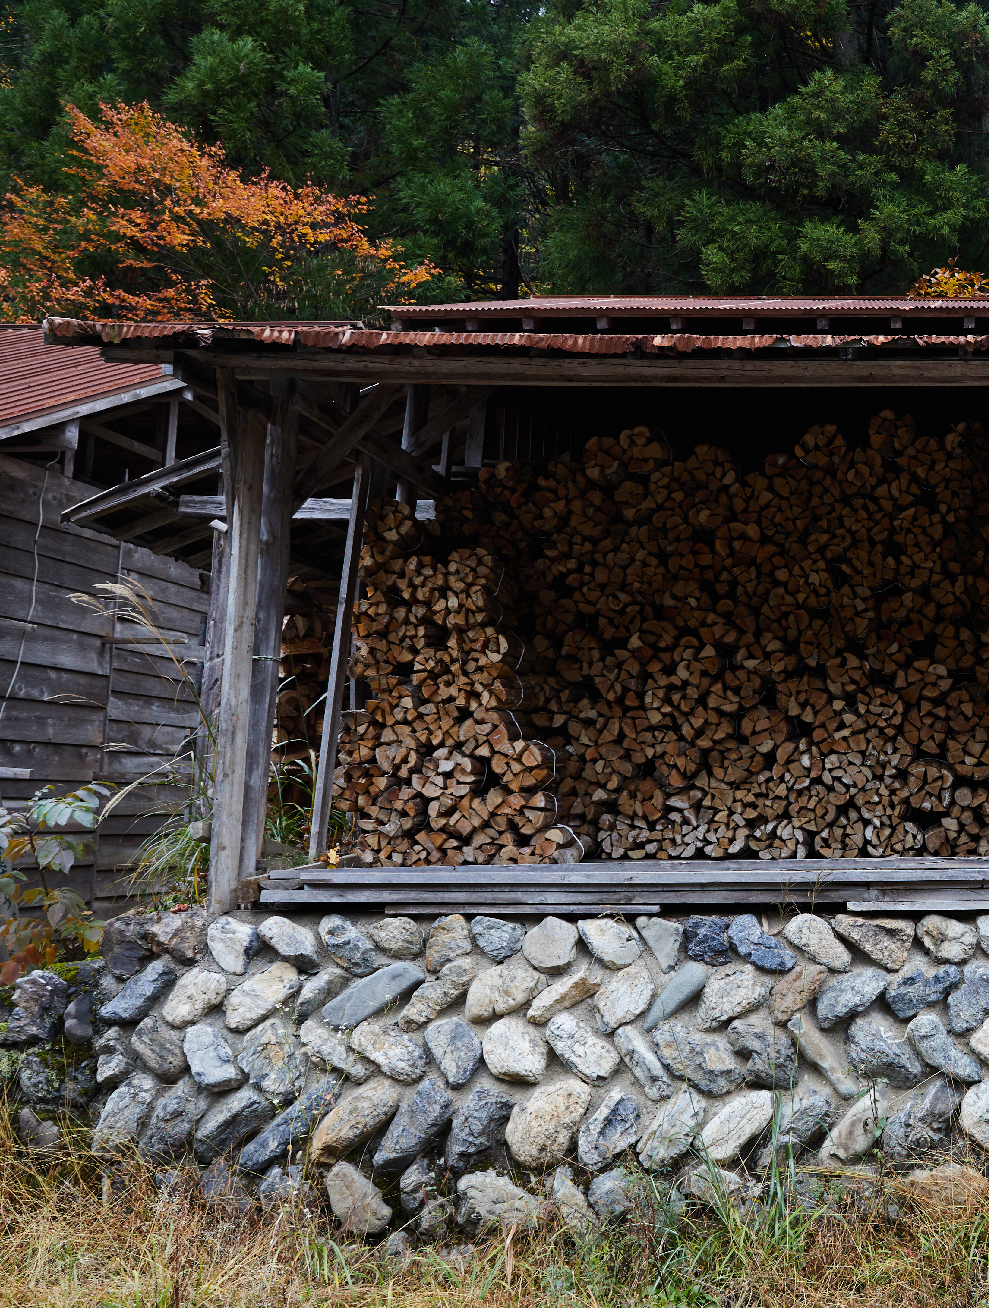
(634, 656)
(307, 643)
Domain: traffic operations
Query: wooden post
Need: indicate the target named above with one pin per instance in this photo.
(209, 687)
(416, 412)
(246, 442)
(474, 450)
(171, 435)
(333, 706)
(273, 563)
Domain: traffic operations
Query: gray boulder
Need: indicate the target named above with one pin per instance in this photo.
(706, 940)
(705, 1061)
(757, 946)
(366, 997)
(921, 1125)
(968, 1005)
(415, 1126)
(159, 1046)
(849, 995)
(455, 1048)
(125, 1116)
(273, 1061)
(772, 1055)
(357, 1204)
(928, 1036)
(684, 985)
(800, 1118)
(40, 999)
(415, 1186)
(294, 942)
(229, 1121)
(478, 1124)
(172, 1126)
(613, 1127)
(78, 1020)
(290, 1129)
(878, 1053)
(346, 946)
(139, 995)
(125, 946)
(233, 943)
(911, 990)
(499, 939)
(317, 990)
(610, 1194)
(211, 1060)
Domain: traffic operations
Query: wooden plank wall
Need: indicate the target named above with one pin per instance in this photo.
(79, 708)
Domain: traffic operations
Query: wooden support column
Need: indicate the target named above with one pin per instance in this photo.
(273, 563)
(333, 706)
(474, 450)
(172, 432)
(246, 435)
(416, 412)
(209, 688)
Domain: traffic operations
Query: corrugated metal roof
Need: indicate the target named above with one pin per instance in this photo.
(618, 305)
(36, 379)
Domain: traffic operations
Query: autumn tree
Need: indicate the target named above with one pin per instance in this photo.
(156, 226)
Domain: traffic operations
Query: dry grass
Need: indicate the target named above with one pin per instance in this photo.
(62, 1246)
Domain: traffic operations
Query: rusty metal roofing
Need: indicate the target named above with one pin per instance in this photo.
(625, 305)
(36, 380)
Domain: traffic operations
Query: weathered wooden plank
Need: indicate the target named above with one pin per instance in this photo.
(184, 595)
(149, 708)
(927, 902)
(128, 492)
(103, 403)
(43, 683)
(56, 542)
(53, 607)
(51, 762)
(62, 724)
(154, 685)
(145, 737)
(52, 646)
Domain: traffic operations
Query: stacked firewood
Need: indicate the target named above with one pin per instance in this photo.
(677, 659)
(307, 642)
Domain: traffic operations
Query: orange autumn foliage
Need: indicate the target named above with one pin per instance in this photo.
(155, 226)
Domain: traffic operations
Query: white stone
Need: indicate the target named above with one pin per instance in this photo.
(541, 1128)
(259, 996)
(232, 943)
(624, 997)
(513, 1051)
(500, 990)
(552, 945)
(433, 996)
(672, 1131)
(296, 944)
(730, 992)
(193, 996)
(974, 1115)
(577, 1047)
(727, 1134)
(400, 937)
(357, 1204)
(982, 927)
(614, 943)
(398, 1055)
(858, 1131)
(332, 1048)
(814, 936)
(947, 940)
(639, 1055)
(487, 1199)
(211, 1060)
(663, 938)
(561, 995)
(817, 1050)
(979, 1040)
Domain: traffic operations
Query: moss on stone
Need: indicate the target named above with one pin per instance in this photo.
(10, 1064)
(67, 971)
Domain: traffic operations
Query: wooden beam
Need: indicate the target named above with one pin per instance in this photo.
(162, 479)
(474, 449)
(150, 523)
(406, 466)
(180, 539)
(124, 442)
(273, 564)
(358, 424)
(314, 510)
(172, 433)
(437, 426)
(416, 412)
(339, 659)
(249, 436)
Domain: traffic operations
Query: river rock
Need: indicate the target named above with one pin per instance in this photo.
(291, 1129)
(577, 1047)
(561, 995)
(125, 946)
(614, 1126)
(979, 1041)
(814, 936)
(877, 1053)
(172, 1126)
(706, 1062)
(640, 1057)
(886, 940)
(773, 1058)
(717, 1188)
(363, 999)
(433, 996)
(346, 946)
(330, 1047)
(663, 938)
(221, 1188)
(40, 999)
(795, 990)
(486, 1200)
(672, 1131)
(194, 995)
(612, 943)
(818, 1051)
(623, 997)
(974, 1116)
(400, 937)
(455, 1048)
(551, 946)
(211, 1060)
(574, 1210)
(968, 1004)
(706, 939)
(295, 943)
(913, 989)
(449, 938)
(540, 1129)
(503, 989)
(396, 1054)
(982, 927)
(849, 995)
(53, 1084)
(922, 1124)
(188, 944)
(928, 1036)
(739, 1122)
(513, 1051)
(415, 1126)
(230, 1121)
(685, 984)
(729, 994)
(125, 1115)
(802, 1116)
(857, 1132)
(362, 1112)
(232, 943)
(952, 1186)
(139, 995)
(757, 946)
(356, 1202)
(77, 1026)
(947, 940)
(259, 996)
(317, 990)
(499, 939)
(273, 1061)
(610, 1194)
(159, 1047)
(113, 1068)
(415, 1185)
(478, 1124)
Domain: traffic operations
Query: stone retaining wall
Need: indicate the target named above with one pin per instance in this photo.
(472, 1069)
